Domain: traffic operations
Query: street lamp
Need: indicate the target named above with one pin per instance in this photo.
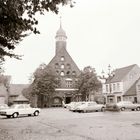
(107, 81)
(109, 78)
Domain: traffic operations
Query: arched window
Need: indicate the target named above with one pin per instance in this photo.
(62, 73)
(74, 73)
(68, 66)
(68, 73)
(62, 58)
(62, 66)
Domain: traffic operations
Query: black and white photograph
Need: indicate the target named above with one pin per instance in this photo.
(69, 69)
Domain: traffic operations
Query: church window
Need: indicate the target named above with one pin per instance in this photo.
(68, 66)
(68, 84)
(62, 73)
(56, 65)
(62, 58)
(73, 73)
(57, 72)
(68, 72)
(62, 66)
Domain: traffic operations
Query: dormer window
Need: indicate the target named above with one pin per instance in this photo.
(62, 58)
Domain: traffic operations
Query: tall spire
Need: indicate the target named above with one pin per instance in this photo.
(60, 22)
(61, 33)
(60, 38)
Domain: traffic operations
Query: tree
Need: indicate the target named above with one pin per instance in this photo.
(44, 83)
(18, 18)
(88, 82)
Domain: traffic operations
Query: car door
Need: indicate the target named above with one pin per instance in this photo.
(128, 105)
(92, 106)
(20, 109)
(131, 105)
(28, 109)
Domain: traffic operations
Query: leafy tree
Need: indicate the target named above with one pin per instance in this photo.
(88, 82)
(44, 83)
(19, 16)
(4, 79)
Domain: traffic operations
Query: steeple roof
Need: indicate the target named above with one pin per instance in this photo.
(60, 31)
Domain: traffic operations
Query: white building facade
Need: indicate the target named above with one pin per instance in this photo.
(123, 85)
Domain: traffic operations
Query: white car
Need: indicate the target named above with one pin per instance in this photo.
(69, 105)
(90, 106)
(75, 105)
(123, 105)
(19, 109)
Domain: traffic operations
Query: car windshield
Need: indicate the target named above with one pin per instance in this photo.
(13, 106)
(3, 106)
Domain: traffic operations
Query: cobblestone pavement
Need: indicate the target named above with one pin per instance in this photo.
(61, 124)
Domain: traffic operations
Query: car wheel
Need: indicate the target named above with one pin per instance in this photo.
(36, 113)
(102, 109)
(122, 109)
(15, 115)
(138, 108)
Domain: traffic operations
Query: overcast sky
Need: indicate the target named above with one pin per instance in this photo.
(100, 32)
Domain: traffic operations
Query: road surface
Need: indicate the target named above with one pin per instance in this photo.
(61, 124)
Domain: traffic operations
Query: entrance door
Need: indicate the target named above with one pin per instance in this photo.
(68, 100)
(118, 99)
(135, 99)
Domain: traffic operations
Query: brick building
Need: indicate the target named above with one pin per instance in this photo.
(67, 71)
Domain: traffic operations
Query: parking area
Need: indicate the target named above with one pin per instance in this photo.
(62, 124)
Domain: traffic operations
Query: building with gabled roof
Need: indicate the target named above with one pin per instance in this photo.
(122, 85)
(15, 90)
(65, 69)
(21, 100)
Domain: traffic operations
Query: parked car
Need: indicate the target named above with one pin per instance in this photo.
(74, 106)
(3, 106)
(69, 105)
(90, 106)
(19, 109)
(123, 105)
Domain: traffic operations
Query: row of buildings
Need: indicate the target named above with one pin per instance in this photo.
(124, 84)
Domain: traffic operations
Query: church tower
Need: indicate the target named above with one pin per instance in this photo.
(60, 39)
(65, 69)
